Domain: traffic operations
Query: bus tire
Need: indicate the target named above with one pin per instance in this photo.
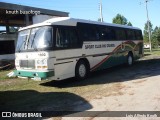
(81, 71)
(130, 59)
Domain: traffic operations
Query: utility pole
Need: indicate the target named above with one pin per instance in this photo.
(149, 32)
(101, 15)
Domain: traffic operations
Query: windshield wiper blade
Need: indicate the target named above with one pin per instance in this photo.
(32, 45)
(19, 47)
(35, 48)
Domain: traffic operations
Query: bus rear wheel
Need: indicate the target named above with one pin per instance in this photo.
(81, 71)
(130, 59)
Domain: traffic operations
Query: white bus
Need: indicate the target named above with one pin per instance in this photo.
(65, 47)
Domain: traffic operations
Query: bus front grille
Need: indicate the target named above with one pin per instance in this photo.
(27, 63)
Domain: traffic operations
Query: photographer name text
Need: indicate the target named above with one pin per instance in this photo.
(30, 12)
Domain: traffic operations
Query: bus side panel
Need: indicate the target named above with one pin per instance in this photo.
(105, 54)
(138, 50)
(64, 70)
(65, 63)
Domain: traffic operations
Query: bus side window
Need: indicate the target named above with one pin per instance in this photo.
(71, 37)
(66, 37)
(120, 34)
(138, 35)
(103, 33)
(130, 35)
(106, 33)
(87, 32)
(58, 38)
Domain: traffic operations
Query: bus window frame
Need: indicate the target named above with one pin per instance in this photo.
(74, 28)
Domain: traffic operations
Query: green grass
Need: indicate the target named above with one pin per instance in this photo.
(3, 74)
(154, 52)
(23, 94)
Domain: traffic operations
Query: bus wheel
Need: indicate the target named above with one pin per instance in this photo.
(81, 71)
(130, 59)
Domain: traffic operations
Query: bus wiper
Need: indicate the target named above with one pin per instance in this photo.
(19, 47)
(35, 48)
(32, 45)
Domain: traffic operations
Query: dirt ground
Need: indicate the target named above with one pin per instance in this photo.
(136, 88)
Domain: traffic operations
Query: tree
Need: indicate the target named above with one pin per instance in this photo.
(129, 24)
(99, 19)
(156, 37)
(120, 19)
(145, 32)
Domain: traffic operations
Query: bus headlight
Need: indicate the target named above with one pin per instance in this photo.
(41, 64)
(38, 62)
(44, 62)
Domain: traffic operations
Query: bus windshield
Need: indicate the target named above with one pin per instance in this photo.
(34, 39)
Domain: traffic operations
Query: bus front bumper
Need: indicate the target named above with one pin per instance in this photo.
(34, 74)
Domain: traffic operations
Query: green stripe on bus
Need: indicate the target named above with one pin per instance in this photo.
(32, 74)
(112, 61)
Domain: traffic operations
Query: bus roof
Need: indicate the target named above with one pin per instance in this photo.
(73, 22)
